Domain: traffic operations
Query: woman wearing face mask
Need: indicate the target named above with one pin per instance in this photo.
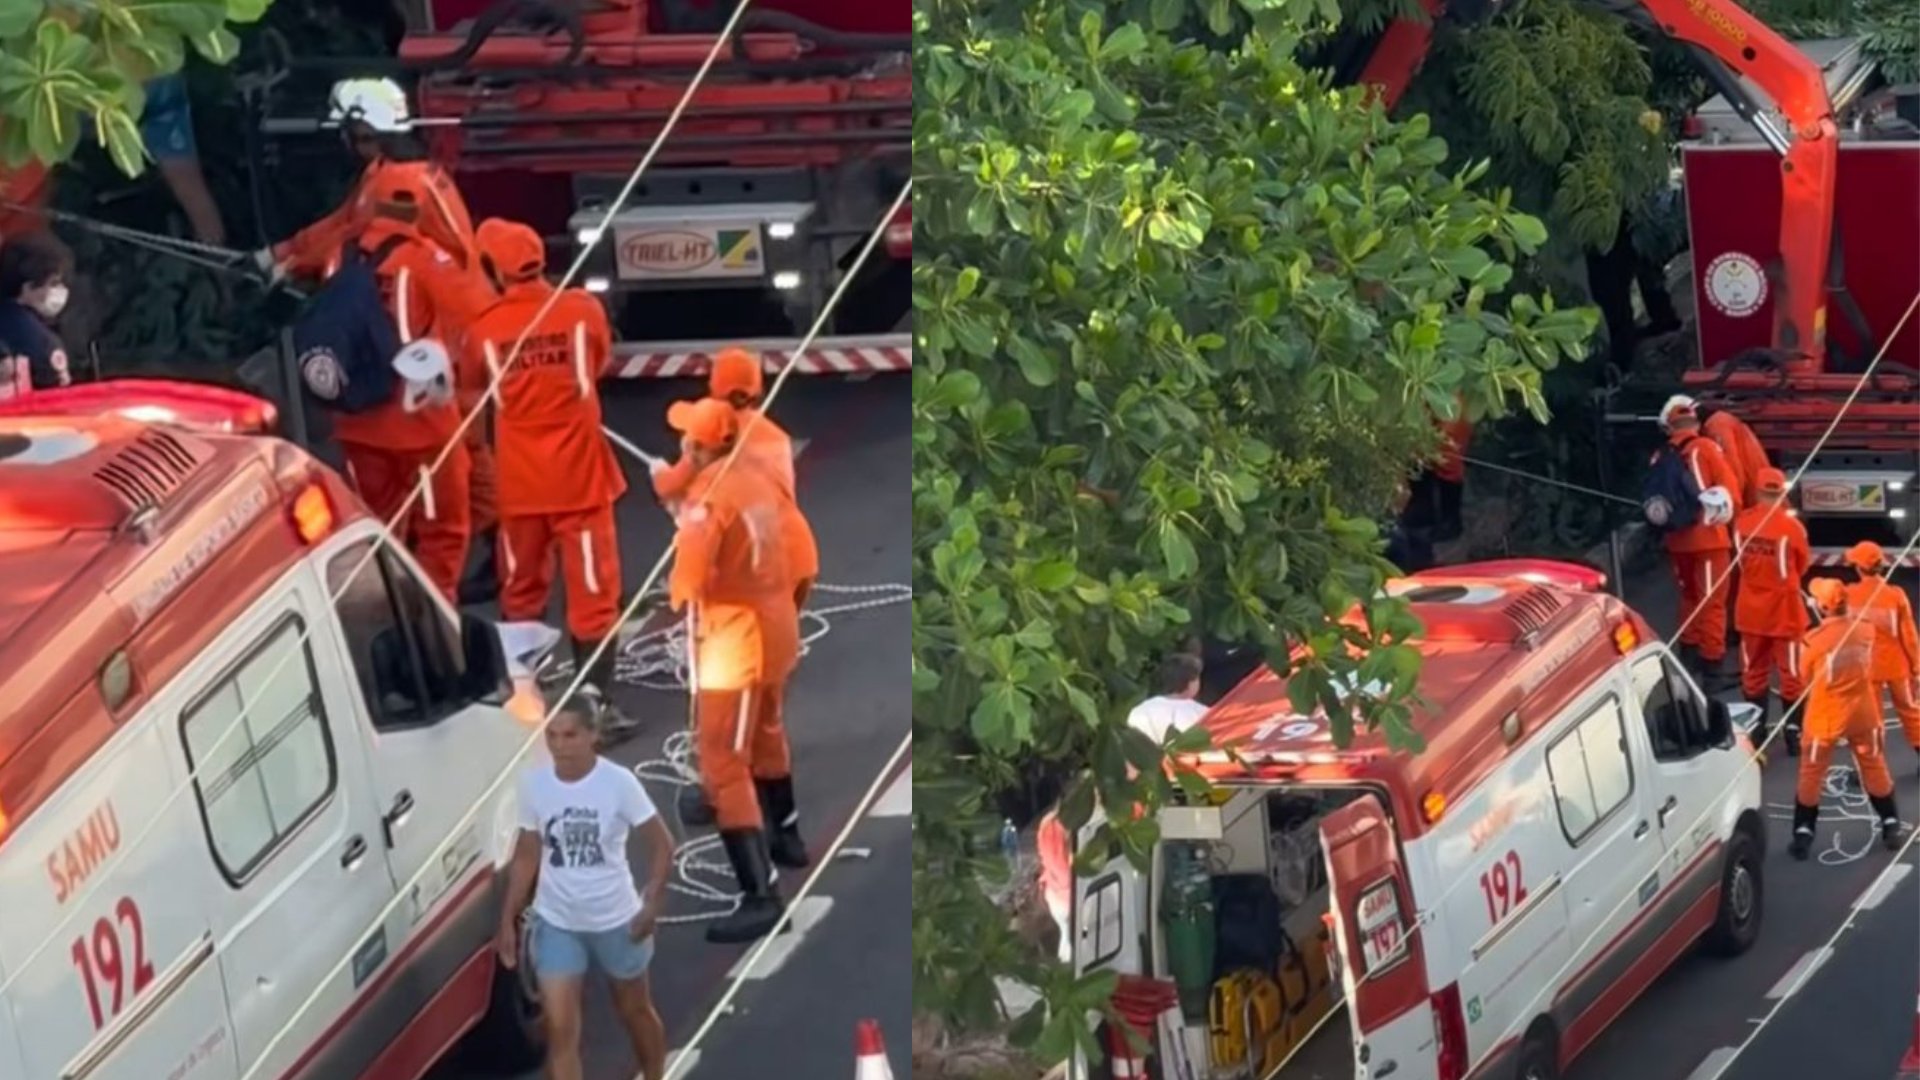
(33, 293)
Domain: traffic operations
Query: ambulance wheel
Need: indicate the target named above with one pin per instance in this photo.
(511, 1038)
(1736, 926)
(1539, 1055)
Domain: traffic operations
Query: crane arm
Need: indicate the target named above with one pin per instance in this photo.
(1726, 42)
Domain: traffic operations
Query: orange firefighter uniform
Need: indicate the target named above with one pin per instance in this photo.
(558, 479)
(1879, 601)
(390, 448)
(730, 571)
(1741, 448)
(443, 218)
(1701, 553)
(1767, 609)
(1842, 708)
(737, 379)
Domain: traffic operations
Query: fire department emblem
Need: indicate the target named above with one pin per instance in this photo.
(1736, 285)
(322, 373)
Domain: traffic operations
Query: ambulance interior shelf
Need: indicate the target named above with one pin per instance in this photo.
(1242, 932)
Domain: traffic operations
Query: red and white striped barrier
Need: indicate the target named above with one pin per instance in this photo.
(853, 355)
(1910, 1064)
(1836, 557)
(870, 1053)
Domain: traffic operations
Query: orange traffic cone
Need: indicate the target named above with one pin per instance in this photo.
(870, 1053)
(1910, 1064)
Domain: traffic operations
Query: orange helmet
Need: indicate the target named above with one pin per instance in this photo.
(735, 371)
(1771, 483)
(1866, 555)
(1828, 593)
(515, 250)
(708, 422)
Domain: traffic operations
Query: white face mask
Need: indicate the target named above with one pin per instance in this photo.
(53, 302)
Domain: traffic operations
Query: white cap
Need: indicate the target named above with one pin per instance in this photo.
(1675, 404)
(378, 103)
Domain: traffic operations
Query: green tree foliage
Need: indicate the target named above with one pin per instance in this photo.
(65, 61)
(1183, 317)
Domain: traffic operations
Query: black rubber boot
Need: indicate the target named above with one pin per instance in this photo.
(1804, 818)
(1763, 726)
(615, 724)
(1791, 736)
(1891, 831)
(481, 585)
(760, 907)
(783, 823)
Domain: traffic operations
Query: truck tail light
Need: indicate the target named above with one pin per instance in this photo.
(1450, 1033)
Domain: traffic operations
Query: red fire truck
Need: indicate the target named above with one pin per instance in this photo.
(786, 160)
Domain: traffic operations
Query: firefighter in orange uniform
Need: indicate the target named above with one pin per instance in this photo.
(730, 566)
(1701, 552)
(1767, 608)
(390, 448)
(376, 124)
(558, 476)
(737, 380)
(1843, 706)
(1884, 604)
(1740, 446)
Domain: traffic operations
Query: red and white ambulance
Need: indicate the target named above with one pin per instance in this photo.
(1581, 817)
(214, 777)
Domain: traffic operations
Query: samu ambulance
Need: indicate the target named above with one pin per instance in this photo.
(1580, 818)
(214, 777)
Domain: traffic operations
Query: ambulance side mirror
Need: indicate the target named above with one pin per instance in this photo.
(1719, 723)
(487, 680)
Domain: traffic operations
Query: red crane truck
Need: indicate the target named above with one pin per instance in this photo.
(1803, 147)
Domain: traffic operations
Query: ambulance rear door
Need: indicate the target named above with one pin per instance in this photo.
(1382, 969)
(1109, 911)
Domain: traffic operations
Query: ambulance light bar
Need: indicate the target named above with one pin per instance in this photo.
(193, 406)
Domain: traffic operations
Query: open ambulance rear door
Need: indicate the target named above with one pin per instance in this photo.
(1382, 968)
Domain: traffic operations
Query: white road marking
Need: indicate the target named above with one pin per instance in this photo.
(679, 1064)
(806, 915)
(1883, 886)
(1801, 971)
(1711, 1066)
(898, 800)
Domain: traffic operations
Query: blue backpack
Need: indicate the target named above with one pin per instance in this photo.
(1670, 496)
(345, 341)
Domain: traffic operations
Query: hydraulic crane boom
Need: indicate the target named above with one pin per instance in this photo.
(1727, 43)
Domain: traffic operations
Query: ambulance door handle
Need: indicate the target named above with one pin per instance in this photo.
(398, 814)
(1641, 831)
(1668, 807)
(355, 854)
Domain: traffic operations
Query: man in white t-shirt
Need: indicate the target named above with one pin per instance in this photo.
(575, 819)
(1174, 709)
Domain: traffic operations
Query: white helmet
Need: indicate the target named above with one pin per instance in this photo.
(1678, 405)
(428, 372)
(378, 103)
(1716, 506)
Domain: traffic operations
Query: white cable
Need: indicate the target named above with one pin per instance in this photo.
(573, 686)
(683, 1059)
(78, 905)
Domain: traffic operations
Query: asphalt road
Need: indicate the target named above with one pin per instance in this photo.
(1762, 1016)
(847, 712)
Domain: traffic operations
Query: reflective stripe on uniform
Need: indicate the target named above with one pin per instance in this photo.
(580, 359)
(426, 493)
(591, 571)
(740, 722)
(403, 304)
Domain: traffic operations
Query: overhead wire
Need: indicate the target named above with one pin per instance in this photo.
(1758, 758)
(513, 765)
(78, 903)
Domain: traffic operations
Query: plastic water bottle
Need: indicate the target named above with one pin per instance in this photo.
(1010, 845)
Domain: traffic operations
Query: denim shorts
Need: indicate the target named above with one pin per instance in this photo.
(561, 953)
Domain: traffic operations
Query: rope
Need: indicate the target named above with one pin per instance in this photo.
(573, 686)
(80, 901)
(1551, 481)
